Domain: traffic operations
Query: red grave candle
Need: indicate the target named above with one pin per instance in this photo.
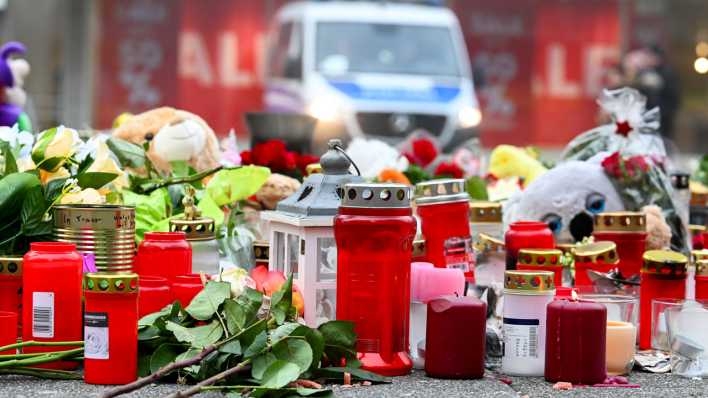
(663, 276)
(576, 334)
(165, 254)
(185, 287)
(443, 208)
(154, 294)
(702, 279)
(455, 338)
(628, 231)
(542, 260)
(526, 234)
(110, 328)
(51, 297)
(11, 287)
(8, 331)
(598, 256)
(374, 231)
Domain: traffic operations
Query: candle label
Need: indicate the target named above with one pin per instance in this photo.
(458, 253)
(96, 335)
(43, 314)
(521, 337)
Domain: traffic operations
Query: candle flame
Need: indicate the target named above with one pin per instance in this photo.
(574, 295)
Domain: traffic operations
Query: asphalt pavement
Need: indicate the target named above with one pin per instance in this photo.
(415, 386)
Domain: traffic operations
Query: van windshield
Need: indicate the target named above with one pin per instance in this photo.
(351, 47)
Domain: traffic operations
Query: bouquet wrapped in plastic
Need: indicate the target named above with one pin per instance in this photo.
(633, 155)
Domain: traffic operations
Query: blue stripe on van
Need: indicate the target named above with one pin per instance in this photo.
(435, 94)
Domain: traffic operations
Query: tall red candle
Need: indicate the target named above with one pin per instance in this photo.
(702, 279)
(526, 234)
(576, 334)
(110, 328)
(11, 287)
(663, 276)
(598, 256)
(542, 260)
(455, 338)
(628, 231)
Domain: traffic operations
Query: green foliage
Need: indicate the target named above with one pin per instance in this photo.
(701, 174)
(476, 187)
(245, 331)
(230, 186)
(416, 174)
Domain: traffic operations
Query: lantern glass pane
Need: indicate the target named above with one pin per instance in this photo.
(326, 259)
(326, 305)
(293, 257)
(279, 260)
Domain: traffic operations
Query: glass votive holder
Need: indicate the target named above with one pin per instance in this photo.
(622, 315)
(659, 332)
(8, 331)
(686, 327)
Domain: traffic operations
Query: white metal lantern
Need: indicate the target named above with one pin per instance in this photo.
(302, 236)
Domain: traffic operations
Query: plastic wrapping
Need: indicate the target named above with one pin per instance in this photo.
(633, 155)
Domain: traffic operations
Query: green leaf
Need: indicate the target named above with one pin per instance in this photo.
(149, 319)
(476, 187)
(307, 392)
(230, 186)
(149, 209)
(33, 208)
(209, 208)
(336, 373)
(148, 333)
(190, 353)
(316, 341)
(232, 347)
(95, 180)
(200, 336)
(261, 363)
(129, 154)
(85, 164)
(338, 333)
(296, 351)
(163, 355)
(259, 344)
(279, 374)
(180, 168)
(284, 330)
(250, 302)
(207, 302)
(281, 301)
(235, 316)
(10, 162)
(54, 189)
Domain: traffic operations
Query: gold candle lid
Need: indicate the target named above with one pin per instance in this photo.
(665, 262)
(419, 248)
(260, 250)
(697, 255)
(540, 257)
(485, 212)
(702, 267)
(528, 282)
(621, 221)
(105, 282)
(486, 243)
(597, 252)
(566, 247)
(11, 265)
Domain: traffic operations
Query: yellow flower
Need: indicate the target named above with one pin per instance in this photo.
(46, 176)
(25, 164)
(105, 164)
(53, 147)
(88, 196)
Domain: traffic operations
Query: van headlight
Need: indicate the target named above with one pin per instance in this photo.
(469, 117)
(324, 109)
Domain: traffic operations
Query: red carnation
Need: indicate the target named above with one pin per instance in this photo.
(305, 160)
(613, 165)
(246, 157)
(449, 169)
(424, 151)
(637, 163)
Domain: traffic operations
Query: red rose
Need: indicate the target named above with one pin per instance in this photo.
(246, 157)
(637, 163)
(424, 151)
(449, 169)
(613, 165)
(305, 160)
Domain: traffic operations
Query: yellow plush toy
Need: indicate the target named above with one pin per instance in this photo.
(174, 135)
(510, 161)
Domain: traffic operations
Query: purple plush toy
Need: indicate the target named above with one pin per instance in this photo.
(12, 74)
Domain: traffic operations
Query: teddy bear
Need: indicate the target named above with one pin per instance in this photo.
(276, 188)
(13, 72)
(174, 135)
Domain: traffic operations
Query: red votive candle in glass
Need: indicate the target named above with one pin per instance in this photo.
(628, 230)
(51, 297)
(598, 256)
(702, 279)
(111, 328)
(154, 294)
(455, 338)
(374, 231)
(443, 208)
(663, 276)
(11, 287)
(8, 331)
(575, 342)
(185, 287)
(526, 234)
(165, 254)
(696, 234)
(542, 260)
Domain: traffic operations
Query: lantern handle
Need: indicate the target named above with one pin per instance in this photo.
(341, 150)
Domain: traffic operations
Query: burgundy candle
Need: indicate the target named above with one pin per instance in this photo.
(575, 342)
(455, 335)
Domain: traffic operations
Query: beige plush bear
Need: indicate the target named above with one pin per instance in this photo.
(174, 135)
(276, 188)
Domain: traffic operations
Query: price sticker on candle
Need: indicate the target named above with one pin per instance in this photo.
(96, 335)
(521, 337)
(458, 253)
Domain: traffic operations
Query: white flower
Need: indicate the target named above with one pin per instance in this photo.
(104, 163)
(239, 280)
(88, 196)
(372, 156)
(54, 146)
(20, 141)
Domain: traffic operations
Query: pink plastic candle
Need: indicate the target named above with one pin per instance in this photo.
(429, 282)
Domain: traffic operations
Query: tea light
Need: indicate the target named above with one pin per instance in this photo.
(621, 340)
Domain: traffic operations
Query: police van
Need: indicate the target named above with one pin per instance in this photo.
(372, 69)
